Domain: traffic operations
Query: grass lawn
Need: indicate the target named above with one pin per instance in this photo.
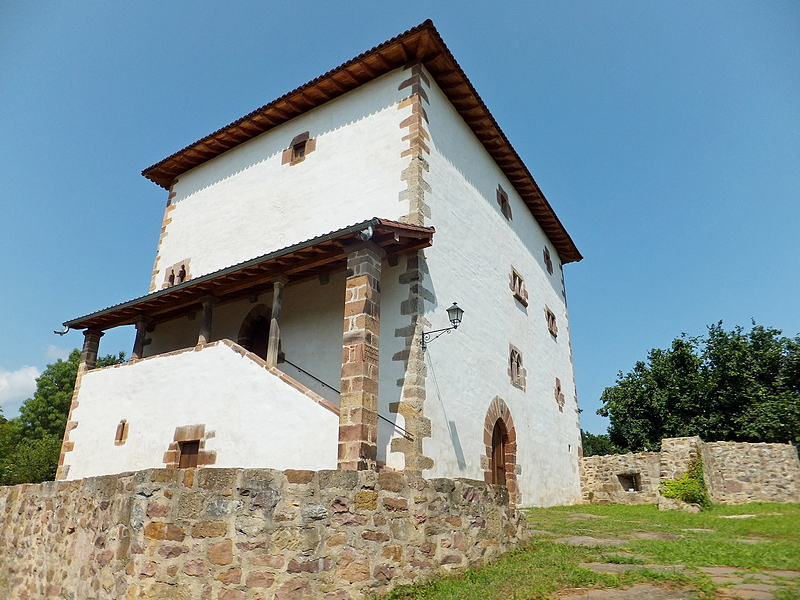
(769, 540)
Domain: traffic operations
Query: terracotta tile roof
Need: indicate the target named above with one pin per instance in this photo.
(298, 262)
(421, 43)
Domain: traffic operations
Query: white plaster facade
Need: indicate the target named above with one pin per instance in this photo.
(351, 176)
(246, 202)
(236, 398)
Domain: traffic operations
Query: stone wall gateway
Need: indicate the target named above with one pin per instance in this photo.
(239, 534)
(735, 473)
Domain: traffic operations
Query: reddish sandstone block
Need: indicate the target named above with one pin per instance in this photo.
(260, 579)
(156, 509)
(395, 504)
(232, 576)
(195, 568)
(375, 536)
(221, 553)
(275, 561)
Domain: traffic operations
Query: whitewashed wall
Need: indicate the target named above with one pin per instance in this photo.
(470, 262)
(245, 203)
(258, 420)
(311, 338)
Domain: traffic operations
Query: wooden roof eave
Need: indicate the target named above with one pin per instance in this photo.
(297, 262)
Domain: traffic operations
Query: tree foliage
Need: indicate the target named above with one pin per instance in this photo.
(30, 444)
(726, 386)
(594, 445)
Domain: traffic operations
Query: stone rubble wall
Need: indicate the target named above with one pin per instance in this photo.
(676, 454)
(735, 473)
(245, 534)
(600, 484)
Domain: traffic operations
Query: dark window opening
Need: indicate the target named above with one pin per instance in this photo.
(189, 453)
(515, 365)
(502, 200)
(630, 482)
(299, 150)
(499, 454)
(259, 337)
(548, 261)
(171, 278)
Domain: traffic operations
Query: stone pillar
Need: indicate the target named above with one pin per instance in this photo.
(141, 337)
(91, 345)
(274, 343)
(205, 324)
(358, 404)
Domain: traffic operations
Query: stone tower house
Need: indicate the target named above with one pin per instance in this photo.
(305, 250)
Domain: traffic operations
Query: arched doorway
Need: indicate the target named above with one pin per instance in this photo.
(499, 437)
(500, 462)
(254, 332)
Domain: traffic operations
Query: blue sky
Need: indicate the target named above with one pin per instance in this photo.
(666, 135)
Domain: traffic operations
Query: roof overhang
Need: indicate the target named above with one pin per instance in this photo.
(299, 262)
(420, 44)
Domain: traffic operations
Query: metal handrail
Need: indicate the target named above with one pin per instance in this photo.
(406, 434)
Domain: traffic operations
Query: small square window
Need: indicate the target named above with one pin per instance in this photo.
(515, 370)
(630, 482)
(122, 433)
(502, 200)
(548, 262)
(299, 148)
(517, 285)
(559, 394)
(189, 452)
(551, 321)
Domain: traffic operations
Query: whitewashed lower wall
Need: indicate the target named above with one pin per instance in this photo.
(258, 420)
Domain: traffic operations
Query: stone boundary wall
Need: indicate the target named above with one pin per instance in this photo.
(245, 534)
(600, 482)
(735, 473)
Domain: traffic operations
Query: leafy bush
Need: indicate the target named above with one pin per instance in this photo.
(690, 487)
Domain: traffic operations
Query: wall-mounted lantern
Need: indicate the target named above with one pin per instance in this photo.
(455, 313)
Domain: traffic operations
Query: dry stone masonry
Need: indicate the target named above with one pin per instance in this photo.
(238, 534)
(735, 473)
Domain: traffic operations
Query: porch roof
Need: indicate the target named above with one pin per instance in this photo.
(301, 261)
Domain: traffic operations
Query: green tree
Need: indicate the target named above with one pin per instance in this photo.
(30, 444)
(727, 386)
(594, 445)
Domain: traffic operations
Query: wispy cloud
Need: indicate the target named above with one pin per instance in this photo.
(16, 386)
(54, 353)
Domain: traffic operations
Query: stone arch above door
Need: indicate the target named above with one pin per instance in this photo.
(499, 412)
